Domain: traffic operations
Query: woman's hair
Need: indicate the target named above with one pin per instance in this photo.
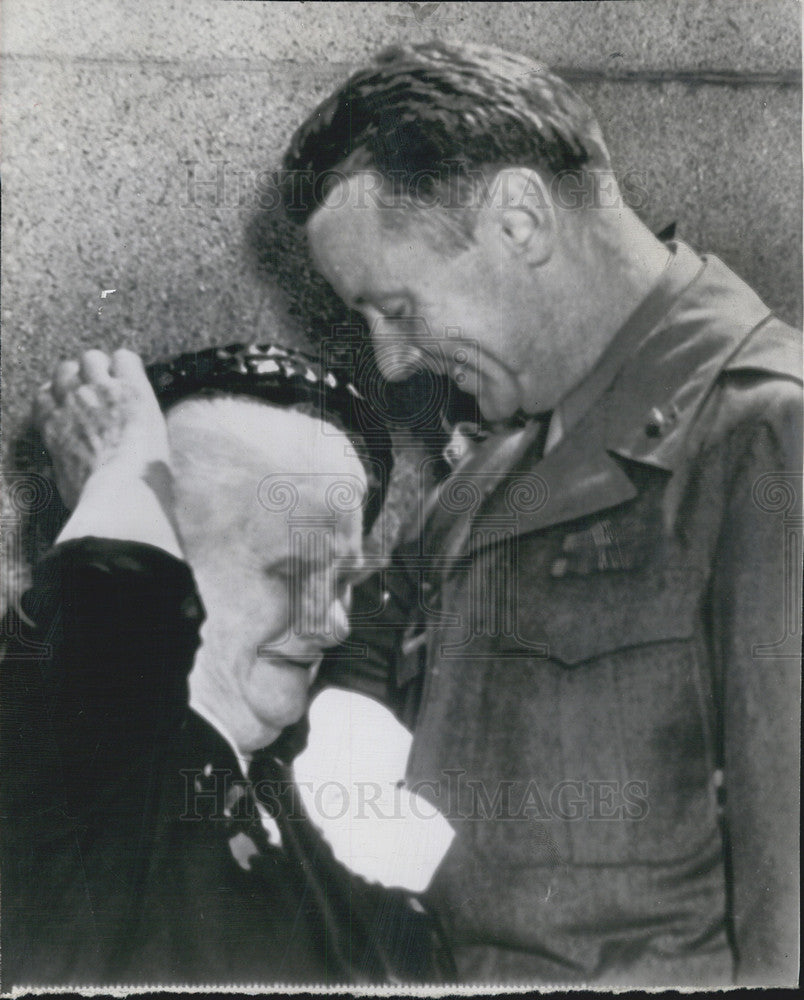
(286, 380)
(231, 453)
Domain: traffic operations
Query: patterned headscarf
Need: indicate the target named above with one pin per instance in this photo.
(284, 377)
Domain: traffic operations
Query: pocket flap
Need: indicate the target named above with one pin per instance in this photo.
(584, 618)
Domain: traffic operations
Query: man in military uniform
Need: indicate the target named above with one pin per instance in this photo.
(593, 621)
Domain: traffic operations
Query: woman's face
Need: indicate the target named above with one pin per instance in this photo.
(274, 556)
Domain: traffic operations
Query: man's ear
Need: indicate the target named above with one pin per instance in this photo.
(522, 211)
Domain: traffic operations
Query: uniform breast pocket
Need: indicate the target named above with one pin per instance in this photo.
(633, 710)
(586, 617)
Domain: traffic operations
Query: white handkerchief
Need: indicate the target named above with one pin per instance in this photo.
(351, 777)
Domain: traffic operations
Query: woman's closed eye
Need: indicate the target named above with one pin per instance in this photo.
(297, 572)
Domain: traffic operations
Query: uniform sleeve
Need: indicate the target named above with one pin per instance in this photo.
(372, 662)
(757, 640)
(365, 662)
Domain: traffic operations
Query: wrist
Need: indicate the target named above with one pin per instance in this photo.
(117, 476)
(119, 502)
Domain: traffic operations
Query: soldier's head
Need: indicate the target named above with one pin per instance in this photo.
(447, 191)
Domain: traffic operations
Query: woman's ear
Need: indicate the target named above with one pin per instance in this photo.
(522, 212)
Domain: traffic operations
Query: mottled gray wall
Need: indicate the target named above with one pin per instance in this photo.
(108, 105)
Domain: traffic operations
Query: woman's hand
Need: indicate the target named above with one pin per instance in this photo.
(100, 414)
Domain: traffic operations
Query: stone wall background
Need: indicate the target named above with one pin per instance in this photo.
(135, 133)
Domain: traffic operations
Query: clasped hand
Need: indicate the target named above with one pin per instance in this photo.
(100, 414)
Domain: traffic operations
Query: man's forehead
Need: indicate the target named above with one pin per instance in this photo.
(351, 243)
(348, 222)
(247, 433)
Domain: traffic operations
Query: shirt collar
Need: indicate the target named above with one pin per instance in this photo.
(641, 399)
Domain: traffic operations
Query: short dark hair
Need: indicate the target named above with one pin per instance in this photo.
(433, 116)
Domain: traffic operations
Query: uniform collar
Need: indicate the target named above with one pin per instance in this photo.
(682, 268)
(695, 334)
(638, 402)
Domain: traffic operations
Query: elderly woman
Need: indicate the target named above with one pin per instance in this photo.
(151, 830)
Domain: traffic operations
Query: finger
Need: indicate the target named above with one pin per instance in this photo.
(87, 395)
(95, 366)
(44, 395)
(128, 365)
(66, 378)
(51, 431)
(44, 404)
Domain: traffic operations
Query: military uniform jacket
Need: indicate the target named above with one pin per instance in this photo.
(603, 661)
